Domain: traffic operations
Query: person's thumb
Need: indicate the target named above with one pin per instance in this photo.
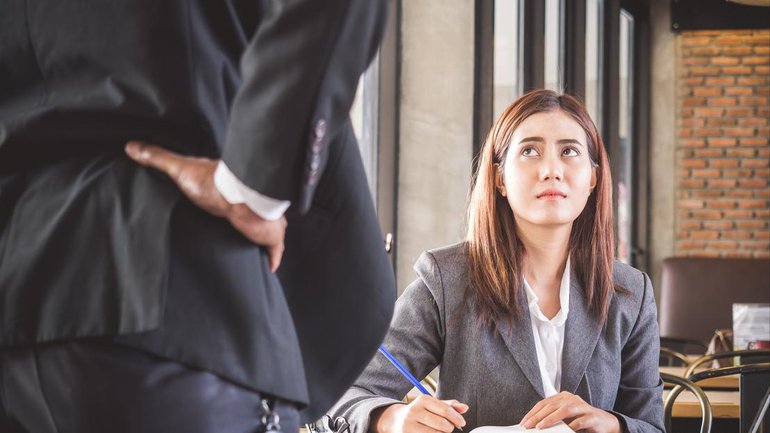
(275, 252)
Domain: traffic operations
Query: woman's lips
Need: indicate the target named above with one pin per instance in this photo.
(551, 195)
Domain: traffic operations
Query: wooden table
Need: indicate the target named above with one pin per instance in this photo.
(724, 404)
(724, 382)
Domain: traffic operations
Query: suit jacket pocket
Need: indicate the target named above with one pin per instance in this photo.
(85, 251)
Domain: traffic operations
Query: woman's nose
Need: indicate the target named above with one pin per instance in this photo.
(551, 168)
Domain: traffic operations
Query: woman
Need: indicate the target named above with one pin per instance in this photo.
(531, 320)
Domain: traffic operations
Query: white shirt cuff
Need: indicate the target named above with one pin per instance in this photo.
(236, 192)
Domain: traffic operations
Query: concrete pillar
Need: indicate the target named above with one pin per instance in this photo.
(663, 116)
(436, 127)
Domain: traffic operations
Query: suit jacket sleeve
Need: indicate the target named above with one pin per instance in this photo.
(639, 405)
(415, 338)
(299, 76)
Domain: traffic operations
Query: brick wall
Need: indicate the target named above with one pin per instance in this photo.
(723, 154)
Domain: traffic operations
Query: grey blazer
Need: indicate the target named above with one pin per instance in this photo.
(496, 373)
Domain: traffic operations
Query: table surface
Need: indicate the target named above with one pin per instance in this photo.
(724, 404)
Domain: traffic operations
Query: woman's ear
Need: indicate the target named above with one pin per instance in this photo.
(499, 180)
(593, 178)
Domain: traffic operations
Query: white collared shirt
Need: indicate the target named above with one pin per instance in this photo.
(549, 334)
(236, 192)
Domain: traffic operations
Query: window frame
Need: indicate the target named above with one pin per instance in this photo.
(532, 15)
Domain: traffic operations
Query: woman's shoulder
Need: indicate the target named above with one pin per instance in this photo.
(635, 283)
(627, 275)
(450, 255)
(445, 267)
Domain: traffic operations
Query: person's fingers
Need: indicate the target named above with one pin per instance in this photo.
(155, 157)
(560, 414)
(457, 406)
(194, 177)
(545, 409)
(583, 422)
(275, 252)
(251, 225)
(263, 232)
(434, 422)
(445, 411)
(535, 409)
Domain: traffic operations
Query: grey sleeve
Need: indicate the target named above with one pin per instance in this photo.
(415, 338)
(639, 405)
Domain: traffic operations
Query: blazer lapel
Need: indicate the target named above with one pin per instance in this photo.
(581, 334)
(521, 344)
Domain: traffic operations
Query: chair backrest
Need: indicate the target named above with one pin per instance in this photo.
(764, 405)
(755, 383)
(743, 357)
(696, 294)
(672, 358)
(682, 384)
(674, 351)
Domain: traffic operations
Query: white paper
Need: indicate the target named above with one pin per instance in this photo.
(558, 428)
(750, 322)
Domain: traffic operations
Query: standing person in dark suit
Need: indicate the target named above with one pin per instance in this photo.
(138, 300)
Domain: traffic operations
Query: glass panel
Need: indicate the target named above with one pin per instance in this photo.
(625, 166)
(506, 73)
(357, 111)
(554, 25)
(594, 25)
(363, 115)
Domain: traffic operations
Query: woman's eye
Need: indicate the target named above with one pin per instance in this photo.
(529, 151)
(569, 151)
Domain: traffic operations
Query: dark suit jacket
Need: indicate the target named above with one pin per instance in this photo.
(93, 244)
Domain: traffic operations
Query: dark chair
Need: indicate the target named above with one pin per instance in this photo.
(696, 294)
(681, 384)
(755, 382)
(673, 351)
(761, 414)
(672, 358)
(742, 357)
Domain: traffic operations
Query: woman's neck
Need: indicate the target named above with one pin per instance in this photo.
(546, 255)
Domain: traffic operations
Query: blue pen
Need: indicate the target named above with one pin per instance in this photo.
(406, 373)
(403, 370)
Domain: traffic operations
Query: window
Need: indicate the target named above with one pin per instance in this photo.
(364, 114)
(594, 23)
(625, 174)
(590, 47)
(554, 26)
(507, 73)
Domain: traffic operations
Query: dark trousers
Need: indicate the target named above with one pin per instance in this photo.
(97, 386)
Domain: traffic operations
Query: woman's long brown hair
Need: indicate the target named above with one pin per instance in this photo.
(495, 250)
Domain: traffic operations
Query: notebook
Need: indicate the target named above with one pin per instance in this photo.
(558, 428)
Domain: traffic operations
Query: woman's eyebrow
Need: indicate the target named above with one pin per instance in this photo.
(542, 140)
(570, 141)
(528, 139)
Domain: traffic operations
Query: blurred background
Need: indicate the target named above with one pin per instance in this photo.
(679, 89)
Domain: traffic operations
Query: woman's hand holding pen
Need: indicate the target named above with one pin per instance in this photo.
(425, 414)
(574, 411)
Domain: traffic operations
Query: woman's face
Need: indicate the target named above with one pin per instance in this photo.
(547, 174)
